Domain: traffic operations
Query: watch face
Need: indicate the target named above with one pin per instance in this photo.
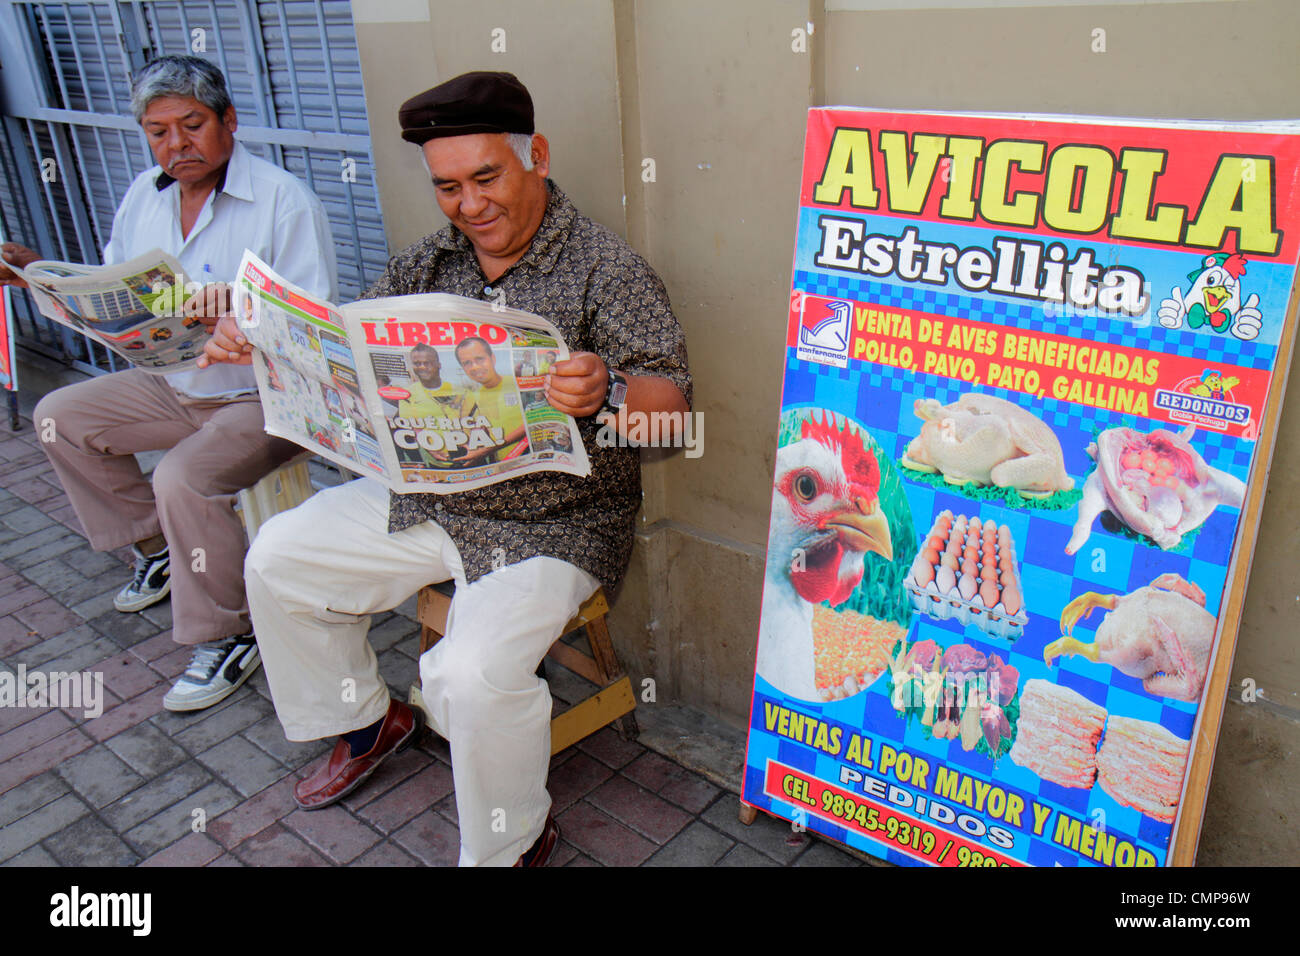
(617, 390)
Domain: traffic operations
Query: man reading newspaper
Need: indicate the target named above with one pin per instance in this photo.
(526, 552)
(205, 201)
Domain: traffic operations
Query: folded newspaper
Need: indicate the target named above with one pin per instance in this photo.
(429, 393)
(135, 309)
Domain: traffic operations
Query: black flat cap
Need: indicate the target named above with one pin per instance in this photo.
(478, 102)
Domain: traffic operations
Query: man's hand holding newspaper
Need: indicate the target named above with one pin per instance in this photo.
(429, 393)
(227, 344)
(13, 254)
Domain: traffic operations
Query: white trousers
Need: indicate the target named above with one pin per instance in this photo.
(315, 575)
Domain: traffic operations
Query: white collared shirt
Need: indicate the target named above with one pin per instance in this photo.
(261, 207)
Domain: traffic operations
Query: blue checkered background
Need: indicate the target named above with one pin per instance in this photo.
(881, 399)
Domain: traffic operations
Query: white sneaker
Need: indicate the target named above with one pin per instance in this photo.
(152, 581)
(215, 672)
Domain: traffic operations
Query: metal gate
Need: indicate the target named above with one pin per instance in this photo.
(69, 147)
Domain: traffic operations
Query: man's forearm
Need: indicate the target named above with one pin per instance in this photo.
(650, 394)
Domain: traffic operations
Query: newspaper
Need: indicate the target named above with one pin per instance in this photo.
(429, 393)
(135, 309)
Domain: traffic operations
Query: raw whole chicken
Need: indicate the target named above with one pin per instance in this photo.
(1157, 484)
(1161, 634)
(983, 440)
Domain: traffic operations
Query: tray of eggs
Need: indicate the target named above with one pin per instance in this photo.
(967, 570)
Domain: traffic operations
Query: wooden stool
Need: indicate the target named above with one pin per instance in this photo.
(612, 703)
(286, 487)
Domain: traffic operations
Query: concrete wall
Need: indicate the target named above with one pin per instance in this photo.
(715, 93)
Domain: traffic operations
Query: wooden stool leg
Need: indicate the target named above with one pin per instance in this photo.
(627, 728)
(602, 650)
(747, 814)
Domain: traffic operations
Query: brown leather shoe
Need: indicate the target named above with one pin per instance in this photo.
(540, 852)
(342, 773)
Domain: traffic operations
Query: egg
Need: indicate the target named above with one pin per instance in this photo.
(949, 561)
(1011, 599)
(966, 586)
(989, 593)
(969, 568)
(989, 573)
(923, 573)
(930, 556)
(945, 580)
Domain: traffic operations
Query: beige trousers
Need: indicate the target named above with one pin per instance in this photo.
(315, 575)
(213, 450)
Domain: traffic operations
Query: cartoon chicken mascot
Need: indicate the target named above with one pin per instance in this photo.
(1215, 299)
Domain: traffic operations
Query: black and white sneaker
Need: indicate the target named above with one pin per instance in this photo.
(215, 672)
(152, 581)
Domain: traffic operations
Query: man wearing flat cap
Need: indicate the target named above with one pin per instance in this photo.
(524, 553)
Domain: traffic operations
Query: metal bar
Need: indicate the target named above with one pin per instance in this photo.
(356, 234)
(258, 69)
(302, 139)
(88, 252)
(102, 52)
(188, 41)
(43, 238)
(78, 207)
(327, 63)
(76, 55)
(216, 29)
(54, 55)
(109, 182)
(51, 206)
(132, 34)
(291, 68)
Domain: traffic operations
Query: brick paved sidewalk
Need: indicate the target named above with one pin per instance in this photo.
(132, 785)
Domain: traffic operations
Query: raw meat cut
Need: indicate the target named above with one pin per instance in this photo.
(1057, 734)
(1141, 765)
(1161, 634)
(1157, 484)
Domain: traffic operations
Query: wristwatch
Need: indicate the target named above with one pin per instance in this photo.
(616, 394)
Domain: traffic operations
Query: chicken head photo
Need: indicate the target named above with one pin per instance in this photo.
(837, 511)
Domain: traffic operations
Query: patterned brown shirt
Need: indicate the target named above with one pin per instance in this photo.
(603, 298)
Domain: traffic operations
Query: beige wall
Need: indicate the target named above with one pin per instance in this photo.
(714, 93)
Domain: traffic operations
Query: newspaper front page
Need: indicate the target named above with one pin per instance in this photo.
(135, 308)
(429, 393)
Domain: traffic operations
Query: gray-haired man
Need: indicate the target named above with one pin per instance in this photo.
(205, 201)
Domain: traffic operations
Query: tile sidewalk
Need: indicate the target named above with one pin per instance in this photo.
(141, 786)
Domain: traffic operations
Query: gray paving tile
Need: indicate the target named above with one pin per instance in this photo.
(178, 821)
(741, 855)
(697, 845)
(99, 775)
(158, 793)
(39, 824)
(146, 749)
(242, 765)
(767, 834)
(88, 842)
(32, 856)
(210, 729)
(823, 854)
(30, 795)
